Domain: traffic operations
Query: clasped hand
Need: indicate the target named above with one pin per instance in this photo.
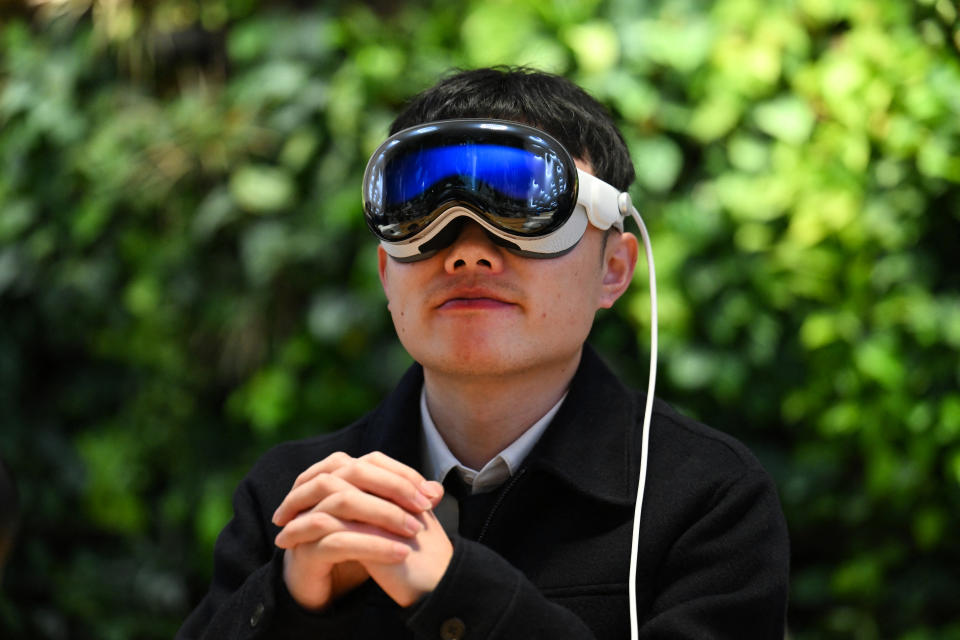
(349, 519)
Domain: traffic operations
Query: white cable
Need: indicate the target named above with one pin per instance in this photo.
(648, 410)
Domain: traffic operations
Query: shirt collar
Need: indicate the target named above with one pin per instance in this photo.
(439, 460)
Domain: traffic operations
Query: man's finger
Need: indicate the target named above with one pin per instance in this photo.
(430, 489)
(386, 483)
(307, 495)
(344, 546)
(309, 527)
(375, 472)
(329, 464)
(314, 527)
(352, 505)
(357, 506)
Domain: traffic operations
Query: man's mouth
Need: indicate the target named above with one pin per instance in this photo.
(475, 298)
(474, 303)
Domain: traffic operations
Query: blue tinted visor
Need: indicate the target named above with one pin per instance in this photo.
(519, 179)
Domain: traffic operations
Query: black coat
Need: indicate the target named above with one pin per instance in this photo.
(552, 559)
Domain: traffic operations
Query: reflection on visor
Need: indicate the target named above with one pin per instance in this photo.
(514, 173)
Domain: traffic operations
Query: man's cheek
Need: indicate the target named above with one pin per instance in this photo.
(399, 316)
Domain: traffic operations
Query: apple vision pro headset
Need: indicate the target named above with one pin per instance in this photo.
(518, 183)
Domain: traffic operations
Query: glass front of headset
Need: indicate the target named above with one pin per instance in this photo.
(521, 181)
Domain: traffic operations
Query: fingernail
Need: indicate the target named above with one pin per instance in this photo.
(400, 550)
(431, 489)
(412, 525)
(274, 518)
(422, 502)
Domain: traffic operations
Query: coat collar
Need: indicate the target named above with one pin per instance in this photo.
(590, 446)
(591, 443)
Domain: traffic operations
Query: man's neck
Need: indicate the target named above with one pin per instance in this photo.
(479, 416)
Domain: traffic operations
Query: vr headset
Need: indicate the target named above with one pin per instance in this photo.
(517, 182)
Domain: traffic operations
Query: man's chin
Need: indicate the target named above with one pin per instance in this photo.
(474, 360)
(485, 360)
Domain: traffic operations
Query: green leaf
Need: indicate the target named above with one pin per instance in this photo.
(715, 117)
(265, 249)
(331, 315)
(268, 399)
(216, 210)
(495, 31)
(658, 162)
(693, 369)
(929, 526)
(878, 359)
(143, 296)
(380, 62)
(681, 42)
(953, 467)
(262, 188)
(595, 45)
(114, 478)
(755, 198)
(787, 118)
(17, 216)
(859, 577)
(213, 512)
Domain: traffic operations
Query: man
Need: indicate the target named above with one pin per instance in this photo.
(536, 441)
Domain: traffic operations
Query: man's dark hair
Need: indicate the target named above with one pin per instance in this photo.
(543, 100)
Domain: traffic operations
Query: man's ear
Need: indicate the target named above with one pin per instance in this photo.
(619, 261)
(382, 259)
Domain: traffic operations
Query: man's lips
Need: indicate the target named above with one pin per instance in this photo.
(473, 298)
(474, 303)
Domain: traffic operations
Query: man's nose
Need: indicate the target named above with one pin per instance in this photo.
(473, 250)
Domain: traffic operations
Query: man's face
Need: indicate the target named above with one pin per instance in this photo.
(476, 309)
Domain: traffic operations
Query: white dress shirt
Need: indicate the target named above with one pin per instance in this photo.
(439, 460)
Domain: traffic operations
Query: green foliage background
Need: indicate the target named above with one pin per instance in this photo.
(185, 278)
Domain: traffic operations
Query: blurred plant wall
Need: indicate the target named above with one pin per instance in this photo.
(185, 277)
